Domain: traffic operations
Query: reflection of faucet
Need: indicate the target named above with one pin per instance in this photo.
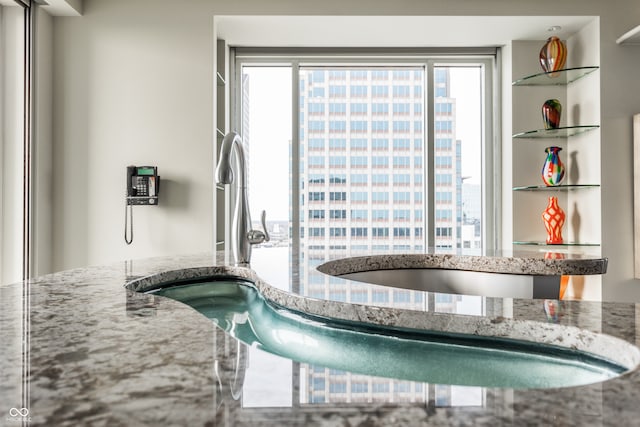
(242, 236)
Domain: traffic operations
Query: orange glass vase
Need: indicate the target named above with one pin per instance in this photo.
(553, 217)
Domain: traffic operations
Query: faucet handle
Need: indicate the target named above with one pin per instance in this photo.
(257, 236)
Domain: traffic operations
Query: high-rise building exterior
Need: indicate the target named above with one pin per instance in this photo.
(363, 172)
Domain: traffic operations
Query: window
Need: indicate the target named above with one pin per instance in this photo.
(401, 161)
(379, 214)
(359, 387)
(401, 91)
(379, 91)
(336, 108)
(401, 180)
(337, 91)
(401, 126)
(380, 126)
(358, 144)
(316, 144)
(316, 126)
(402, 296)
(380, 109)
(358, 161)
(337, 126)
(316, 232)
(379, 144)
(380, 387)
(379, 197)
(444, 144)
(358, 91)
(380, 232)
(379, 162)
(401, 197)
(359, 179)
(316, 196)
(337, 214)
(444, 108)
(337, 143)
(315, 178)
(337, 232)
(337, 161)
(358, 126)
(335, 179)
(316, 161)
(370, 130)
(401, 214)
(337, 195)
(379, 179)
(401, 144)
(401, 108)
(359, 214)
(337, 387)
(379, 75)
(358, 108)
(359, 197)
(316, 214)
(380, 296)
(359, 232)
(401, 232)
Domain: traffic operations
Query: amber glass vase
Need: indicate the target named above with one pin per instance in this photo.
(553, 55)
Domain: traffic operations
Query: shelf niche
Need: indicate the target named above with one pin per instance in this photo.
(576, 88)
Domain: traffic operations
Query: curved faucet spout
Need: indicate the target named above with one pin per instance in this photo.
(242, 236)
(231, 143)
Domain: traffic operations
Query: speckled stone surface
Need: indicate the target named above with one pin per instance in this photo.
(530, 263)
(78, 348)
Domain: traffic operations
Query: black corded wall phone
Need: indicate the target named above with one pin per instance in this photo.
(143, 186)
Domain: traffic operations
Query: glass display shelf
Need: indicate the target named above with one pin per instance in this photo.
(568, 187)
(563, 132)
(542, 243)
(555, 78)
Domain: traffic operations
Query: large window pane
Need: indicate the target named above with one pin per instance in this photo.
(458, 157)
(266, 132)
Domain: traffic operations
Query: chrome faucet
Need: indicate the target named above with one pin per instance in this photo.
(242, 235)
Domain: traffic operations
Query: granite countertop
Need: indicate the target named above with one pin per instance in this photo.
(78, 348)
(517, 263)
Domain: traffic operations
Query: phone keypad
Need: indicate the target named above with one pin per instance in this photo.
(142, 189)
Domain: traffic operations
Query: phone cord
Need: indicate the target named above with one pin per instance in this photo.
(128, 223)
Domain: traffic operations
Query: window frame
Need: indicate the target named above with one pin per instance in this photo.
(487, 58)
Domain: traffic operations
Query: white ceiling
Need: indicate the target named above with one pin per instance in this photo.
(391, 31)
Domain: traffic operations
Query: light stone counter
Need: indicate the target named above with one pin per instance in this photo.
(78, 348)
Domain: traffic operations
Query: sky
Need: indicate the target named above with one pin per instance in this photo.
(270, 133)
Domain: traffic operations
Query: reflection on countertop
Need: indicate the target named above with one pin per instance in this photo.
(98, 353)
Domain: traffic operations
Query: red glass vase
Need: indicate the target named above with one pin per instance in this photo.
(551, 112)
(553, 217)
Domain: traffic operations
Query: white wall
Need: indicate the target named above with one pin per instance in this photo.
(11, 141)
(132, 86)
(42, 205)
(133, 83)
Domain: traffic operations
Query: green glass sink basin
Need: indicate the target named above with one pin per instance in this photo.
(238, 308)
